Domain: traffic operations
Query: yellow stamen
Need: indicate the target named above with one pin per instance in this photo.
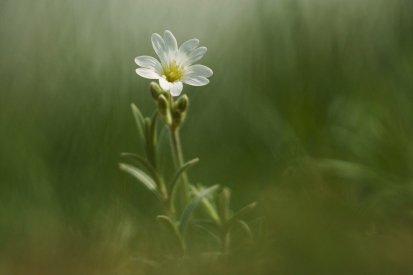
(172, 71)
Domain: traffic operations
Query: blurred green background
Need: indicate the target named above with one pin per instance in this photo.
(309, 113)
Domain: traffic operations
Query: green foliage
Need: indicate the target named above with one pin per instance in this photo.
(219, 213)
(186, 214)
(308, 113)
(173, 184)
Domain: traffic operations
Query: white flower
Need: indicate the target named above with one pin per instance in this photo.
(176, 64)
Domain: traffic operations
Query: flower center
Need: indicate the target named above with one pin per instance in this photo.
(172, 71)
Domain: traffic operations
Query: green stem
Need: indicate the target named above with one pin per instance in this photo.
(179, 161)
(177, 154)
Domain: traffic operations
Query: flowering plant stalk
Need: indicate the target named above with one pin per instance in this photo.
(175, 67)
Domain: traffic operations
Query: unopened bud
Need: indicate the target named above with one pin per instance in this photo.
(155, 90)
(182, 103)
(226, 194)
(163, 105)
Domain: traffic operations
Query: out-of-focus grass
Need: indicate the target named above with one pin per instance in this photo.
(308, 112)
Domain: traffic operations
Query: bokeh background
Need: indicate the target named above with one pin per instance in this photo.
(309, 112)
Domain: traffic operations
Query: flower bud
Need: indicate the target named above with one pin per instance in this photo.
(155, 90)
(164, 109)
(182, 103)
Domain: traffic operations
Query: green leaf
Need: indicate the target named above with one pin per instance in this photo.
(241, 213)
(150, 147)
(139, 122)
(177, 175)
(191, 207)
(170, 226)
(146, 164)
(209, 208)
(245, 227)
(141, 176)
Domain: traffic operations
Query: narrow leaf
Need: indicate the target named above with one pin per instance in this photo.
(141, 176)
(170, 226)
(152, 139)
(177, 175)
(139, 122)
(241, 213)
(149, 146)
(209, 208)
(191, 207)
(246, 229)
(146, 164)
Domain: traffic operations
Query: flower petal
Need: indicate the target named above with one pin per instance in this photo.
(176, 88)
(199, 70)
(195, 55)
(188, 46)
(149, 62)
(171, 45)
(147, 73)
(159, 47)
(164, 84)
(195, 80)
